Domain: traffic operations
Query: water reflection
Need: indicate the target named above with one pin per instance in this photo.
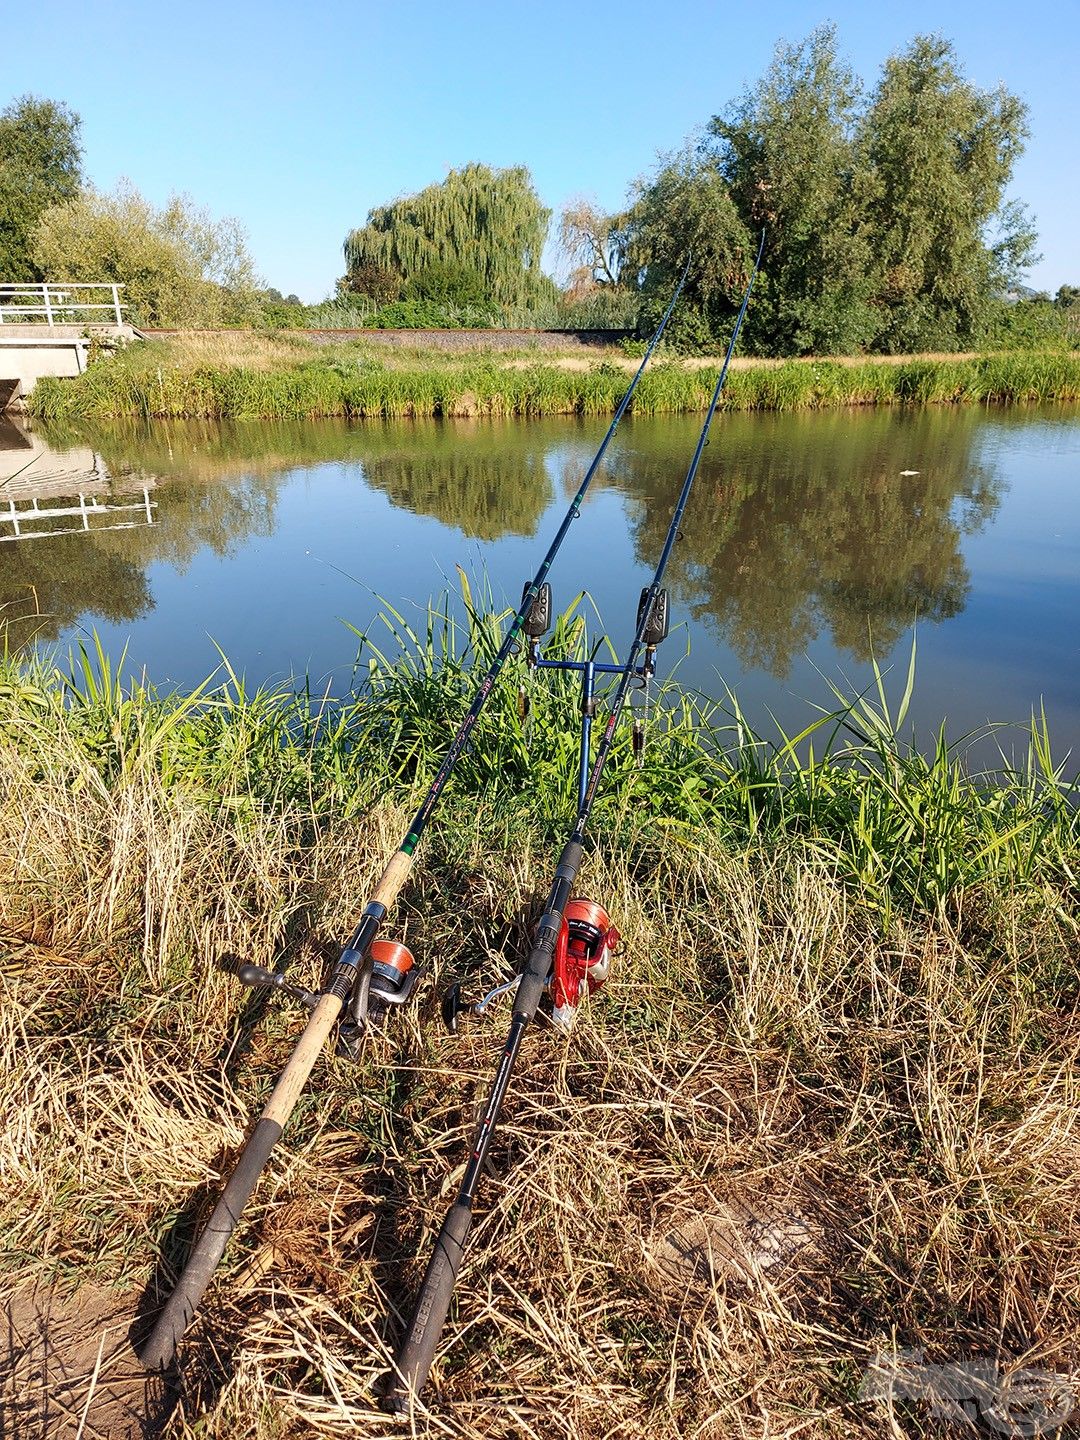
(784, 538)
(83, 529)
(486, 483)
(820, 536)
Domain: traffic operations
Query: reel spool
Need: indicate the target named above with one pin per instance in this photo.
(394, 972)
(394, 977)
(587, 940)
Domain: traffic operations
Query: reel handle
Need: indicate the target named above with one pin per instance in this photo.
(257, 978)
(255, 975)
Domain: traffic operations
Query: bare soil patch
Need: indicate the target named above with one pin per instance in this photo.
(67, 1368)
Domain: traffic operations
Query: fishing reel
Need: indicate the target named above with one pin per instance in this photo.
(389, 980)
(583, 951)
(581, 965)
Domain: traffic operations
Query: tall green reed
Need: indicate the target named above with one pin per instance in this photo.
(905, 825)
(358, 387)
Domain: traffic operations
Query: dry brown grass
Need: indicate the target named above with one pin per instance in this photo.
(781, 1141)
(282, 349)
(277, 350)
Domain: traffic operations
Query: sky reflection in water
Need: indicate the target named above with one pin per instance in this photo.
(811, 543)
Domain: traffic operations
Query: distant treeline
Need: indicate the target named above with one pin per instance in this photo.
(884, 214)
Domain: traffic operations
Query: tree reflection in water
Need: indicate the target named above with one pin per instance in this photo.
(798, 525)
(801, 524)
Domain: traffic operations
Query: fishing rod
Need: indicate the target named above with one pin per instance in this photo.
(417, 1351)
(370, 976)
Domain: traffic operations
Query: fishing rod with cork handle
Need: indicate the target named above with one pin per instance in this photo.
(362, 974)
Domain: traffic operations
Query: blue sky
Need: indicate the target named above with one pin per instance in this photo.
(298, 119)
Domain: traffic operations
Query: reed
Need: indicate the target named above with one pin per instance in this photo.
(826, 1106)
(355, 384)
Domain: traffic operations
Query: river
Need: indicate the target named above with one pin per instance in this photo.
(812, 544)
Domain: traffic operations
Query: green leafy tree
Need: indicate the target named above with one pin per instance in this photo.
(40, 165)
(479, 219)
(687, 212)
(376, 282)
(786, 152)
(179, 267)
(940, 153)
(1035, 324)
(885, 221)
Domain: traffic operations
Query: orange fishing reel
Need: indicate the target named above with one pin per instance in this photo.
(391, 981)
(394, 972)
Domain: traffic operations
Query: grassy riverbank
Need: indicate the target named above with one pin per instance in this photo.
(838, 1054)
(288, 378)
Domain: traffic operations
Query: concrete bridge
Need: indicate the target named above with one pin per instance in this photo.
(48, 329)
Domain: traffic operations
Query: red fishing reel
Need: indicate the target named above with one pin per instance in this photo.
(583, 951)
(582, 961)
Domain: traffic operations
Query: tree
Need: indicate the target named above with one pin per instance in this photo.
(595, 242)
(179, 267)
(488, 221)
(40, 165)
(781, 159)
(687, 213)
(885, 224)
(447, 284)
(940, 154)
(377, 282)
(786, 152)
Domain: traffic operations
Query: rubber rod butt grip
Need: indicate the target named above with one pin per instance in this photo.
(160, 1347)
(429, 1315)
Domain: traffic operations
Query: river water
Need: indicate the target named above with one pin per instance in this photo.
(811, 544)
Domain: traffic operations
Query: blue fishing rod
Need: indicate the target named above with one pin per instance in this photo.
(417, 1351)
(370, 976)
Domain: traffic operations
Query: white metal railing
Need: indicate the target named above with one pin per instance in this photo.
(54, 305)
(34, 515)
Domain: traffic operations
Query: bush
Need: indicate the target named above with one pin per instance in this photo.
(179, 267)
(1027, 325)
(430, 315)
(448, 285)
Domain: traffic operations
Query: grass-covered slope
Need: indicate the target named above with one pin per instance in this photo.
(292, 379)
(826, 1107)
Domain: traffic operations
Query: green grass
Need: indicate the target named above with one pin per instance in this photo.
(847, 991)
(158, 381)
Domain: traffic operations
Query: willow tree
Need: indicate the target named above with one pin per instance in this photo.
(940, 153)
(489, 222)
